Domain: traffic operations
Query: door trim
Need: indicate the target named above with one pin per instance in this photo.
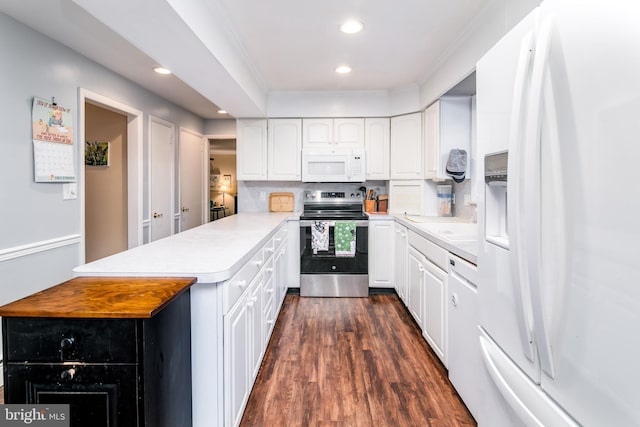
(134, 165)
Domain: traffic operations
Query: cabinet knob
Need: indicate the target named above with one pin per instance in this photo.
(454, 300)
(67, 343)
(68, 374)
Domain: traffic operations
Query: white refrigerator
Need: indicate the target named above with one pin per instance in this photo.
(559, 253)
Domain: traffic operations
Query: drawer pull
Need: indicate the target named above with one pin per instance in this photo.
(242, 284)
(68, 374)
(259, 262)
(67, 343)
(270, 269)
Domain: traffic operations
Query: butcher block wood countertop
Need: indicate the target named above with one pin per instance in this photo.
(101, 297)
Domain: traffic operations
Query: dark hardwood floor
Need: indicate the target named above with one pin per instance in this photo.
(351, 362)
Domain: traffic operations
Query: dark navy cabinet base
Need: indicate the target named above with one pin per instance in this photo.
(113, 372)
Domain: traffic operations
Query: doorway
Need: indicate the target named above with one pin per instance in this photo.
(223, 187)
(106, 206)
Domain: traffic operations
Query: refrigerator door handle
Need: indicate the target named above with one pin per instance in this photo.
(532, 194)
(515, 201)
(529, 402)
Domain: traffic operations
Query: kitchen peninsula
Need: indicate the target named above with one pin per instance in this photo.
(241, 265)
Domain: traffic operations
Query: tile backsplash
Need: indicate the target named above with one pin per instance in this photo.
(253, 196)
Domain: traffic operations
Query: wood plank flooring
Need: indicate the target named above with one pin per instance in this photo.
(351, 362)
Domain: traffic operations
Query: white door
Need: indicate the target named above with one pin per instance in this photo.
(587, 298)
(251, 150)
(348, 133)
(377, 137)
(415, 281)
(161, 135)
(317, 133)
(435, 309)
(406, 146)
(284, 149)
(192, 179)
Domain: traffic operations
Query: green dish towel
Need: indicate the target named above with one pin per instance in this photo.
(345, 238)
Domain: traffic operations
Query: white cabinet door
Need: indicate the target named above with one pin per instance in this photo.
(237, 349)
(434, 327)
(381, 235)
(348, 133)
(317, 133)
(406, 146)
(447, 125)
(377, 143)
(332, 133)
(251, 150)
(280, 274)
(415, 280)
(256, 320)
(400, 249)
(284, 149)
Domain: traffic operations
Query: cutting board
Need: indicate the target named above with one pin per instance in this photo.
(281, 202)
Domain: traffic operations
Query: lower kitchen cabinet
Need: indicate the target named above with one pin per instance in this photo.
(249, 321)
(401, 250)
(415, 281)
(434, 328)
(114, 365)
(381, 237)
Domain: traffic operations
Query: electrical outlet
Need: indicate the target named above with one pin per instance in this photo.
(69, 191)
(263, 195)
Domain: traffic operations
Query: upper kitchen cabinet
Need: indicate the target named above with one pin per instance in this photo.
(377, 143)
(447, 125)
(251, 149)
(406, 146)
(332, 133)
(284, 150)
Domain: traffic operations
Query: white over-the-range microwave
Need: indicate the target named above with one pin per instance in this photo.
(333, 165)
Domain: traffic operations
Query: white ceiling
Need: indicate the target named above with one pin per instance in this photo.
(254, 46)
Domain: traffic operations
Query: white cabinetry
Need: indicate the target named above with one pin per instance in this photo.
(332, 133)
(415, 280)
(434, 327)
(377, 142)
(239, 344)
(251, 303)
(381, 237)
(406, 147)
(447, 125)
(413, 197)
(251, 150)
(465, 365)
(429, 269)
(400, 249)
(284, 149)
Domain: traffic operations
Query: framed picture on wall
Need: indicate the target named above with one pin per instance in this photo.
(96, 153)
(227, 181)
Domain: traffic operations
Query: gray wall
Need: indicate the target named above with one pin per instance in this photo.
(39, 231)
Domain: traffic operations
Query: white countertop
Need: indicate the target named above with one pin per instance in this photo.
(458, 238)
(212, 252)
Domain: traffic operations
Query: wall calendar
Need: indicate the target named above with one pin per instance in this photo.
(52, 126)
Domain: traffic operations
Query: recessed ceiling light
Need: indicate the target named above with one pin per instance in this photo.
(161, 70)
(351, 27)
(343, 69)
(222, 112)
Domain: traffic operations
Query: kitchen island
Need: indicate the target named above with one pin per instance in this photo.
(240, 263)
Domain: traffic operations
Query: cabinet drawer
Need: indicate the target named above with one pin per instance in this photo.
(233, 289)
(280, 236)
(433, 252)
(60, 340)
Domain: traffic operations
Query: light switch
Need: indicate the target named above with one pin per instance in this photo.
(69, 191)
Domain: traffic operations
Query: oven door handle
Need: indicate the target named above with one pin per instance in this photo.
(332, 223)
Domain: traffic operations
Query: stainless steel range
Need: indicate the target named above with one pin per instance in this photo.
(334, 242)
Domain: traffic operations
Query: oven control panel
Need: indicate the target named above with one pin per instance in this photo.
(336, 196)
